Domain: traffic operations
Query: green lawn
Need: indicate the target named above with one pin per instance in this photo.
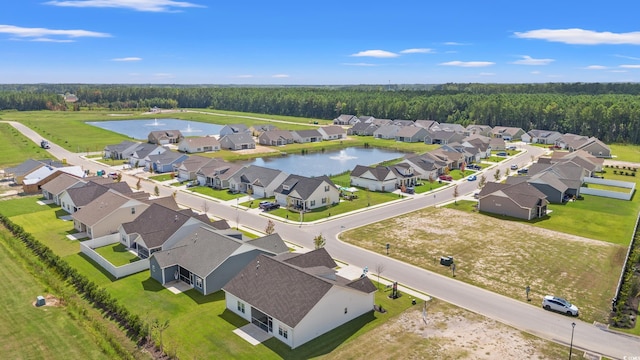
(625, 152)
(16, 148)
(162, 177)
(222, 194)
(609, 188)
(30, 332)
(117, 254)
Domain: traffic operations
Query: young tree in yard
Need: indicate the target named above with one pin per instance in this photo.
(455, 194)
(156, 191)
(462, 167)
(270, 229)
(119, 177)
(160, 328)
(319, 241)
(138, 184)
(496, 175)
(379, 270)
(431, 180)
(482, 182)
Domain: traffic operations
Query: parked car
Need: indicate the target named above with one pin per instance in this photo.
(474, 167)
(560, 305)
(514, 166)
(192, 184)
(471, 178)
(409, 190)
(268, 205)
(502, 153)
(523, 171)
(511, 147)
(445, 177)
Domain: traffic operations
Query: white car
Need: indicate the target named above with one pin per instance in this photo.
(560, 305)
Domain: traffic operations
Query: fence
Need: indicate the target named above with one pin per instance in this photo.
(86, 247)
(609, 193)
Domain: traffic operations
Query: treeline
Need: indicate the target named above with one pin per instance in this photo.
(610, 112)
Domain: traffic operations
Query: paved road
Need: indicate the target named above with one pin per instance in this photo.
(528, 317)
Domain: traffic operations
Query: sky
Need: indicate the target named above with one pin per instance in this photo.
(329, 42)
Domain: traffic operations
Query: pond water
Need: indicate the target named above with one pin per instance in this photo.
(328, 162)
(140, 129)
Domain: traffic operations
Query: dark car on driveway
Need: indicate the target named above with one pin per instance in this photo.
(268, 205)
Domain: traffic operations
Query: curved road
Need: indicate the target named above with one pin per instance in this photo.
(519, 314)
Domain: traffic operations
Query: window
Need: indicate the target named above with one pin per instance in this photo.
(345, 310)
(133, 210)
(283, 332)
(198, 282)
(312, 203)
(326, 188)
(241, 306)
(324, 200)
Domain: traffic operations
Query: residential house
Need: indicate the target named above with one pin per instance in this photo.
(75, 198)
(411, 134)
(520, 200)
(106, 213)
(239, 141)
(497, 143)
(257, 130)
(469, 152)
(164, 162)
(386, 132)
(452, 158)
(427, 124)
(304, 193)
(426, 166)
(480, 142)
(332, 132)
(234, 129)
(472, 129)
(383, 178)
(569, 173)
(258, 181)
(435, 136)
(345, 120)
(402, 122)
(546, 182)
(54, 188)
(297, 297)
(140, 154)
(275, 138)
(363, 129)
(507, 133)
(148, 232)
(20, 171)
(189, 168)
(192, 145)
(594, 147)
(457, 128)
(206, 258)
(586, 160)
(217, 173)
(32, 183)
(121, 151)
(306, 136)
(546, 137)
(365, 119)
(164, 137)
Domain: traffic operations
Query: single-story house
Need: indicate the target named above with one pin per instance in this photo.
(54, 188)
(234, 129)
(297, 297)
(206, 258)
(74, 198)
(258, 181)
(386, 131)
(411, 134)
(32, 183)
(192, 145)
(520, 200)
(139, 156)
(121, 151)
(427, 124)
(363, 129)
(163, 137)
(275, 138)
(484, 130)
(383, 178)
(332, 132)
(189, 168)
(218, 173)
(164, 162)
(507, 133)
(306, 136)
(304, 193)
(257, 130)
(239, 141)
(435, 136)
(20, 171)
(106, 213)
(536, 136)
(345, 119)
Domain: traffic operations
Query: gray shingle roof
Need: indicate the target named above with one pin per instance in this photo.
(305, 186)
(83, 195)
(258, 175)
(61, 183)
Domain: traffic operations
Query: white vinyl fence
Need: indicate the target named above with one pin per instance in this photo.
(86, 247)
(608, 193)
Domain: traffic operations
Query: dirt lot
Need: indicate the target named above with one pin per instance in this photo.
(448, 333)
(503, 256)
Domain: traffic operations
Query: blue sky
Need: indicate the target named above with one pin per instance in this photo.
(318, 42)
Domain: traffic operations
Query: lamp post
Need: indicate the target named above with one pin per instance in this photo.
(573, 326)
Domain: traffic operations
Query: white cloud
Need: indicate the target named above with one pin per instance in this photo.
(634, 66)
(453, 43)
(627, 57)
(487, 74)
(359, 64)
(618, 71)
(468, 63)
(45, 35)
(138, 5)
(417, 51)
(280, 76)
(376, 54)
(528, 60)
(581, 36)
(127, 59)
(595, 67)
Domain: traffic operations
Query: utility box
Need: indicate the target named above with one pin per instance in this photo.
(40, 301)
(446, 260)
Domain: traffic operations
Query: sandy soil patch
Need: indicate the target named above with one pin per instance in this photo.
(258, 150)
(50, 300)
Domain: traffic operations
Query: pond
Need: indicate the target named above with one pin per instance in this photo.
(328, 162)
(140, 129)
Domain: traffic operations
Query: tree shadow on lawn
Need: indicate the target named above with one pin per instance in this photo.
(200, 299)
(98, 267)
(152, 285)
(323, 344)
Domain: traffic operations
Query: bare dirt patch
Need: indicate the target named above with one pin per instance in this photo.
(502, 256)
(50, 300)
(448, 333)
(258, 150)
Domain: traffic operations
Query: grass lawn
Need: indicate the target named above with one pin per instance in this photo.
(609, 188)
(365, 198)
(502, 256)
(16, 148)
(30, 332)
(162, 177)
(222, 194)
(625, 152)
(117, 254)
(427, 186)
